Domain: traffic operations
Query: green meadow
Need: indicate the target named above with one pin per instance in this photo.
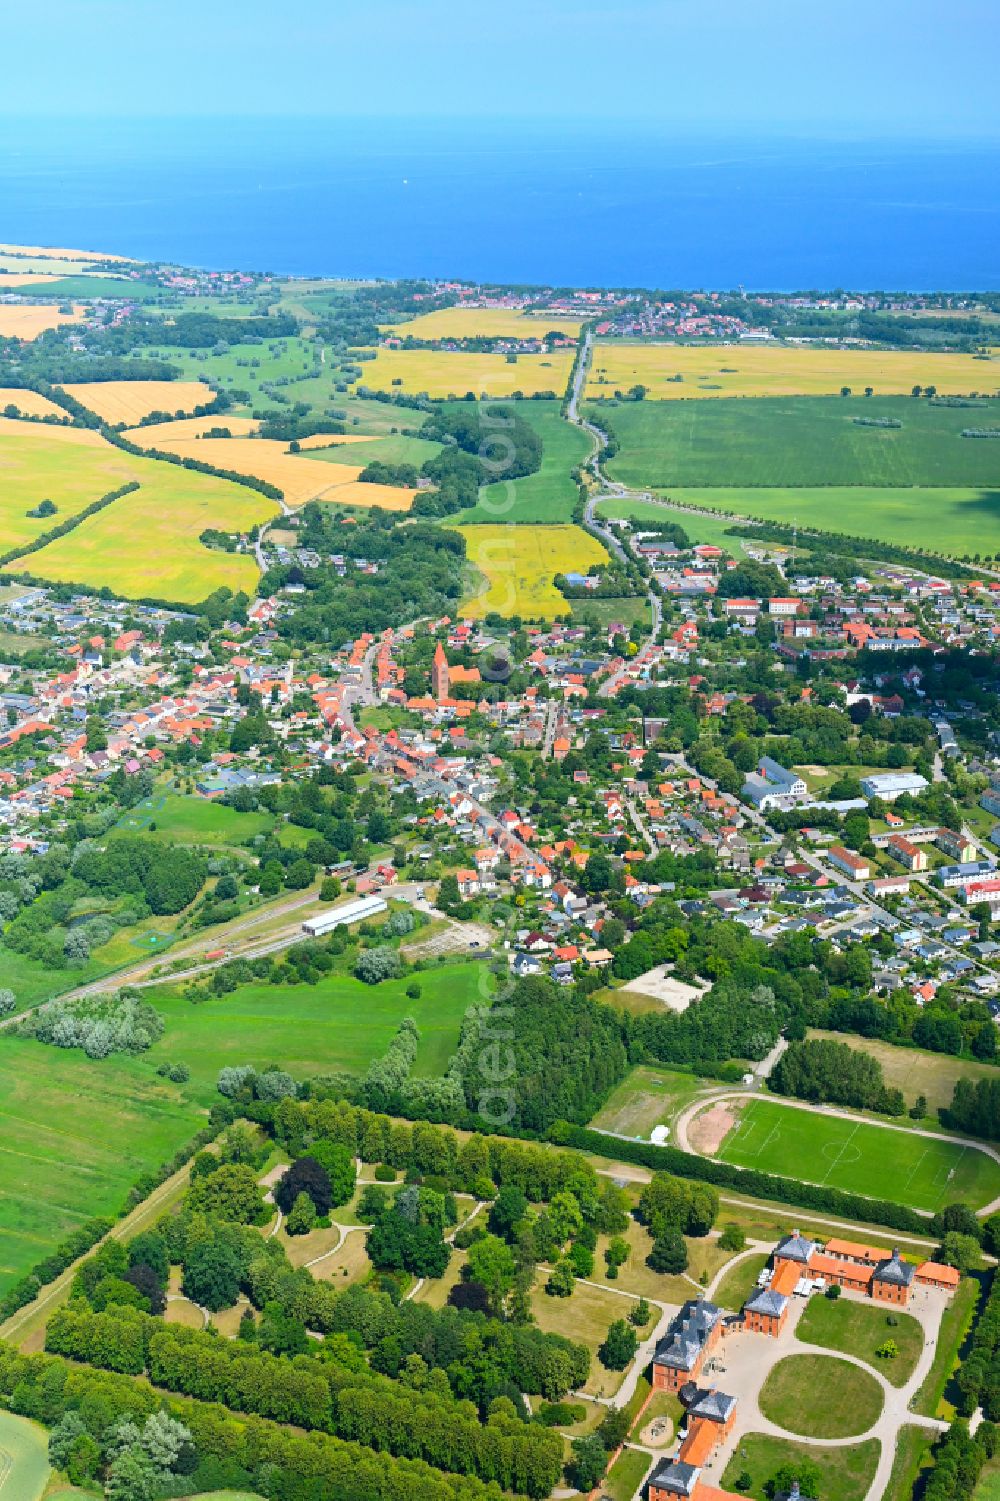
(193, 820)
(550, 494)
(802, 440)
(77, 1133)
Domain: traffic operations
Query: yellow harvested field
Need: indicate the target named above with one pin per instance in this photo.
(335, 440)
(81, 437)
(186, 428)
(299, 479)
(130, 400)
(59, 254)
(29, 403)
(9, 280)
(482, 323)
(352, 492)
(438, 373)
(26, 320)
(781, 370)
(519, 564)
(145, 544)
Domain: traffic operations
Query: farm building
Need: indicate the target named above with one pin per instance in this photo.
(344, 915)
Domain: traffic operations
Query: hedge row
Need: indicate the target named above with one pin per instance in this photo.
(749, 1181)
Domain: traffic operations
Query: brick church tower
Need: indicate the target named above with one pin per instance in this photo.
(440, 676)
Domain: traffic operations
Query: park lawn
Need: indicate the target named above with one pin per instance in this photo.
(441, 373)
(647, 1097)
(638, 1279)
(820, 1397)
(145, 545)
(550, 494)
(584, 1316)
(482, 323)
(626, 1475)
(852, 1154)
(847, 1470)
(519, 564)
(913, 1447)
(916, 1072)
(741, 1279)
(187, 819)
(930, 1400)
(339, 1023)
(781, 370)
(988, 1488)
(24, 1458)
(950, 520)
(77, 1134)
(858, 1329)
(801, 441)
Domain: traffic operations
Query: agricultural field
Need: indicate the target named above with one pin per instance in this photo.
(70, 466)
(29, 404)
(519, 563)
(146, 544)
(914, 1071)
(954, 521)
(551, 493)
(803, 440)
(440, 373)
(186, 428)
(129, 401)
(34, 253)
(299, 477)
(383, 450)
(671, 372)
(27, 320)
(482, 323)
(851, 1154)
(59, 1168)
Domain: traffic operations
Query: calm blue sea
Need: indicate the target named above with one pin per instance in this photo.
(536, 203)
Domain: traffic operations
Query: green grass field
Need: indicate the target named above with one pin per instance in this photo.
(24, 1458)
(388, 450)
(801, 440)
(193, 820)
(550, 494)
(819, 1396)
(79, 288)
(338, 1024)
(955, 521)
(854, 1155)
(859, 1329)
(77, 1133)
(846, 1470)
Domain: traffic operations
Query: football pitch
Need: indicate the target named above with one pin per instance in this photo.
(860, 1157)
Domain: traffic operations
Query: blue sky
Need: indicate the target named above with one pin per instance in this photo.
(805, 67)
